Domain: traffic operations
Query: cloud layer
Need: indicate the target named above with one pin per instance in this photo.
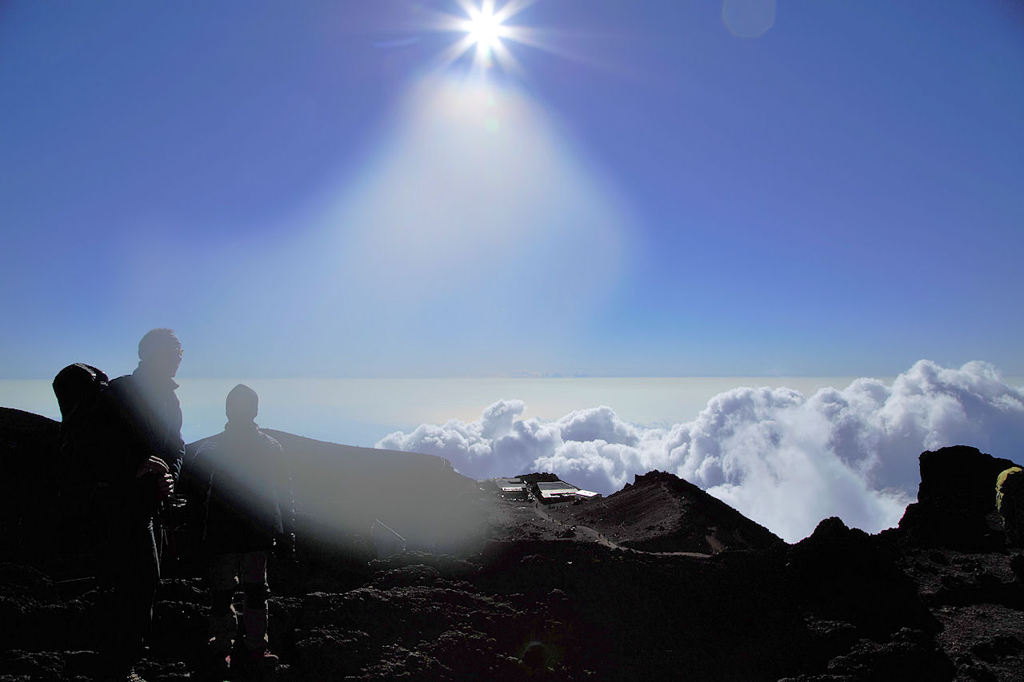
(783, 459)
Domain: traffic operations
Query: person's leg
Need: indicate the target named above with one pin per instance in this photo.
(254, 613)
(132, 573)
(146, 579)
(223, 623)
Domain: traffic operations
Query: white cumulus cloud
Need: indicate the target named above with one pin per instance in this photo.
(784, 459)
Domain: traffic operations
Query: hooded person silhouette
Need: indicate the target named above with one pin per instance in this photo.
(242, 486)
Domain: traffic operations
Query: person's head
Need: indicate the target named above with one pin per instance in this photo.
(242, 404)
(160, 351)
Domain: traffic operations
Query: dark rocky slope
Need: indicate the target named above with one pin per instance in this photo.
(841, 605)
(340, 490)
(29, 484)
(660, 512)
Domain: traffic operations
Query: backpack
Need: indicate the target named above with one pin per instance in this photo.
(78, 388)
(84, 437)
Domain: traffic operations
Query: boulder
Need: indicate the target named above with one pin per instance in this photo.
(846, 575)
(955, 505)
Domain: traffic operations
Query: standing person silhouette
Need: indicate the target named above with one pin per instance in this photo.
(140, 468)
(242, 487)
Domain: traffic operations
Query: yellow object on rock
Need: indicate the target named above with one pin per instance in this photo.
(1008, 483)
(1010, 503)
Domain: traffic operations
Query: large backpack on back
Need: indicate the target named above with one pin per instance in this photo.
(85, 430)
(78, 388)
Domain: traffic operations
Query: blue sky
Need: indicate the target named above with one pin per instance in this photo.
(299, 190)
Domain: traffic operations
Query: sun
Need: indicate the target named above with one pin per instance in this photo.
(486, 34)
(484, 27)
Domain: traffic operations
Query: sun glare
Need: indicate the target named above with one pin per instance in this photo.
(484, 27)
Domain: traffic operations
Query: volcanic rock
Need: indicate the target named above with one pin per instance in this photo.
(660, 512)
(29, 509)
(956, 501)
(844, 574)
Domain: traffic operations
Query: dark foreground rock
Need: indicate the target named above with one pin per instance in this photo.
(29, 506)
(841, 605)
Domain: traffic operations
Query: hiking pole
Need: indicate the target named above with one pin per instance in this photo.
(391, 530)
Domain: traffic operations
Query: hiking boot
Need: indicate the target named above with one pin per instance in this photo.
(245, 659)
(217, 665)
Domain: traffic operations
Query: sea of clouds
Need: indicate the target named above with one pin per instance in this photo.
(783, 459)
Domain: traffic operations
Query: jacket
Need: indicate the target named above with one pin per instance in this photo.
(145, 418)
(242, 489)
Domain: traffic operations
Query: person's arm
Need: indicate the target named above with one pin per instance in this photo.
(174, 446)
(157, 467)
(166, 451)
(165, 434)
(176, 456)
(284, 495)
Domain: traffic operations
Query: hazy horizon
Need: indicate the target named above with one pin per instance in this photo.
(419, 399)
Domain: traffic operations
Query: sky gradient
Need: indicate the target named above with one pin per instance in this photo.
(300, 191)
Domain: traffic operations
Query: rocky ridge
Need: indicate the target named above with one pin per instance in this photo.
(660, 512)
